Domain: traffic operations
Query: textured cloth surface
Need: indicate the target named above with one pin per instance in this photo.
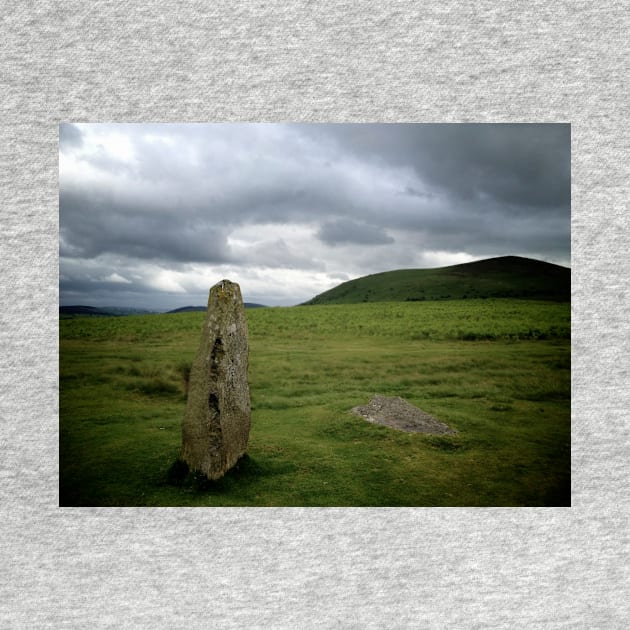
(327, 61)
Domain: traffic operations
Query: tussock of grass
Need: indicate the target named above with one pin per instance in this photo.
(156, 386)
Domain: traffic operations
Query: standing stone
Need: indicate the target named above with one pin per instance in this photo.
(217, 419)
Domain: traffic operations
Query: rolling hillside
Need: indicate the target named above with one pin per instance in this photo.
(67, 312)
(195, 309)
(507, 276)
(79, 310)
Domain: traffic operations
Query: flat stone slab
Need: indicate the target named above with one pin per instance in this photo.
(397, 413)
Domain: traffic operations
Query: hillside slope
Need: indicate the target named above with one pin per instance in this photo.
(195, 309)
(506, 276)
(79, 310)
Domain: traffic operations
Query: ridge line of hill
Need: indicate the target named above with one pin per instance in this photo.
(76, 310)
(504, 276)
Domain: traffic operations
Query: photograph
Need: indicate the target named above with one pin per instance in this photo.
(314, 314)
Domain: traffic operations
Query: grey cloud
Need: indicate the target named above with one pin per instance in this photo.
(70, 137)
(79, 286)
(413, 192)
(488, 230)
(339, 277)
(231, 174)
(139, 296)
(518, 164)
(277, 254)
(349, 231)
(93, 225)
(480, 189)
(105, 162)
(78, 279)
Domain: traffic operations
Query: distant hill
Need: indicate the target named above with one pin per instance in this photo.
(80, 310)
(186, 309)
(190, 309)
(506, 276)
(94, 311)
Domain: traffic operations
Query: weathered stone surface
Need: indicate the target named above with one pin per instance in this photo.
(397, 413)
(216, 423)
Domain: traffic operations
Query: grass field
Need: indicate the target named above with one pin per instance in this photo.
(498, 371)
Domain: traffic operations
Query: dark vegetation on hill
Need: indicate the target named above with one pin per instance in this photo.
(506, 276)
(93, 311)
(66, 312)
(187, 309)
(194, 309)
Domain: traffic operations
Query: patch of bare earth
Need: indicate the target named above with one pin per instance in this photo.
(397, 413)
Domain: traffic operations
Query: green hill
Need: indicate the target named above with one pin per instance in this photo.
(79, 310)
(187, 309)
(194, 309)
(506, 276)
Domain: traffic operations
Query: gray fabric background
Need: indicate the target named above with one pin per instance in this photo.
(329, 61)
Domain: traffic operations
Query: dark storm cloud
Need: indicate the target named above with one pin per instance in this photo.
(485, 235)
(349, 231)
(520, 165)
(183, 190)
(92, 226)
(80, 286)
(411, 191)
(479, 188)
(305, 198)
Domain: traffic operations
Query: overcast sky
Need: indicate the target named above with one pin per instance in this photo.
(152, 215)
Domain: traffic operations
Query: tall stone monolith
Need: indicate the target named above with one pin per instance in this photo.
(216, 423)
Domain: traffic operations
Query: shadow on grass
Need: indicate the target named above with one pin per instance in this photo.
(244, 472)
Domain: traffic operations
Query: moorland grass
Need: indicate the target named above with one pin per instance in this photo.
(497, 371)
